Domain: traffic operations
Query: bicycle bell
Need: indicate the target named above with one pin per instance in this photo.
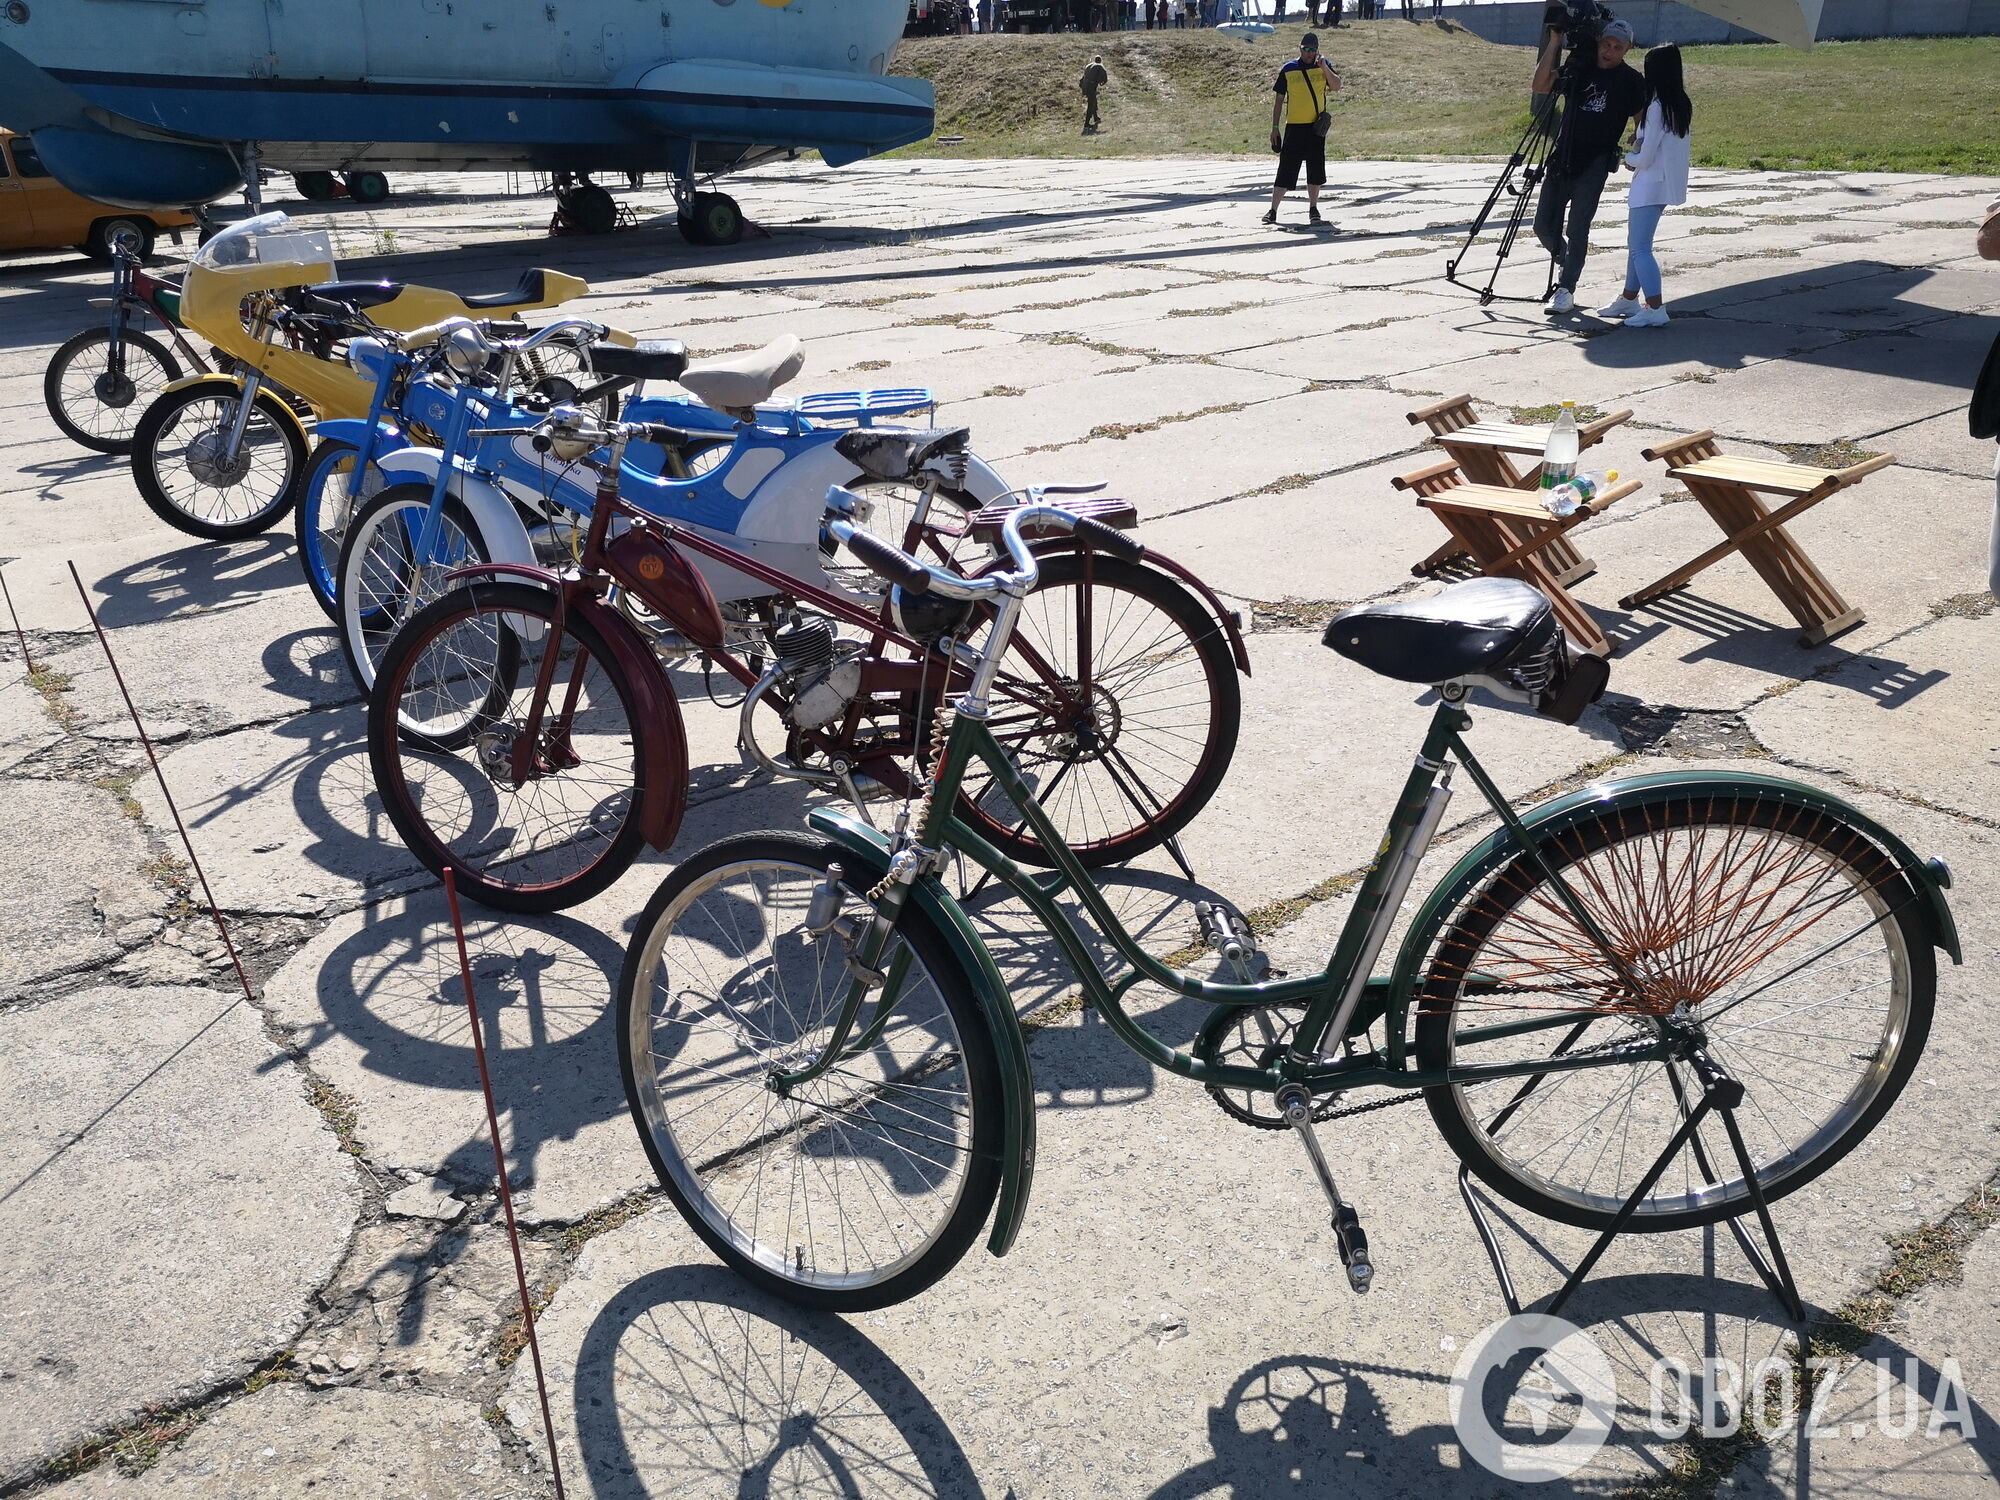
(930, 616)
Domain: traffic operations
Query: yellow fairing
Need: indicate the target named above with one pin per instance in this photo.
(222, 305)
(233, 383)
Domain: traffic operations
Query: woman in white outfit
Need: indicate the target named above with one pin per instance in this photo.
(1659, 163)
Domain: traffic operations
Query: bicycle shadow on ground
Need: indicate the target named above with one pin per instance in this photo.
(1078, 1062)
(1306, 1425)
(691, 1384)
(198, 576)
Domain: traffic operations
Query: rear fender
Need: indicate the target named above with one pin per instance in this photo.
(1017, 1084)
(1230, 621)
(653, 701)
(235, 383)
(1928, 878)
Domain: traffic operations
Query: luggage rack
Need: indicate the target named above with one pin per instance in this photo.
(862, 408)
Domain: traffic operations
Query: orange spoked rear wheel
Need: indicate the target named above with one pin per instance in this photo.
(1775, 936)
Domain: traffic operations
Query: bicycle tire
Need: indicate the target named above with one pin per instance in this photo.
(490, 839)
(277, 430)
(1177, 630)
(934, 1004)
(319, 543)
(65, 408)
(1709, 851)
(377, 592)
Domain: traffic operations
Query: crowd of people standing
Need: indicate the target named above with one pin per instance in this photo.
(966, 17)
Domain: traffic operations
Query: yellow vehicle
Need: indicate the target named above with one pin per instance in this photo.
(39, 213)
(220, 455)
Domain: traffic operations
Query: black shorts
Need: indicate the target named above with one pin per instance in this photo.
(1302, 144)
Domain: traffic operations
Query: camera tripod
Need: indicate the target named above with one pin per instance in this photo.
(1519, 181)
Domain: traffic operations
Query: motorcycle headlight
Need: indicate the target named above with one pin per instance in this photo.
(365, 357)
(466, 351)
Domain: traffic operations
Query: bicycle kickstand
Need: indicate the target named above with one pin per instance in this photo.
(1295, 1100)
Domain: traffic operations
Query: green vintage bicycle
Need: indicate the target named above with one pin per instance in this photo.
(826, 1069)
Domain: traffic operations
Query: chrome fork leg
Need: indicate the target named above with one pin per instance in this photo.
(1295, 1101)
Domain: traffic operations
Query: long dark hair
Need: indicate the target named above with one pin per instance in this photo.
(1663, 82)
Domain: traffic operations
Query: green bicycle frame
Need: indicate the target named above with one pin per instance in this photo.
(1341, 1002)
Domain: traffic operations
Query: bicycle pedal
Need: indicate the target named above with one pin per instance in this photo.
(1353, 1241)
(1224, 929)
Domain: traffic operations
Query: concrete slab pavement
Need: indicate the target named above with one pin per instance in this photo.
(1145, 1338)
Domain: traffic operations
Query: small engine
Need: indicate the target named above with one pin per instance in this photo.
(822, 675)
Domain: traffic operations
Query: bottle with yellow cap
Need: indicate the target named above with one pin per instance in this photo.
(1576, 492)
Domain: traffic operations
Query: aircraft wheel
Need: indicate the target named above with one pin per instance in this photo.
(590, 209)
(717, 220)
(367, 187)
(314, 187)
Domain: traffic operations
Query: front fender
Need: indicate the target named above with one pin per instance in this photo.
(492, 512)
(1928, 878)
(1017, 1084)
(654, 703)
(235, 382)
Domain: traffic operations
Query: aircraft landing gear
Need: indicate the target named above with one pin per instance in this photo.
(710, 219)
(582, 207)
(366, 187)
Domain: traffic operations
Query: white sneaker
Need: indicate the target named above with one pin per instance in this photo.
(1561, 301)
(1620, 307)
(1649, 317)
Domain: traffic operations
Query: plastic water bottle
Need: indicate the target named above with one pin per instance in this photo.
(1559, 456)
(1576, 492)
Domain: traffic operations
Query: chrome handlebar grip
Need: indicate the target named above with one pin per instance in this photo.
(954, 585)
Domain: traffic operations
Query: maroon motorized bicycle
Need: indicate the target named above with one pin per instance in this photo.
(99, 383)
(524, 731)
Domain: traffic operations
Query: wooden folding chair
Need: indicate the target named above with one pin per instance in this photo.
(1485, 453)
(1728, 489)
(1508, 534)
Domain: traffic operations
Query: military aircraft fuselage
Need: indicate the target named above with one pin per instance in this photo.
(152, 102)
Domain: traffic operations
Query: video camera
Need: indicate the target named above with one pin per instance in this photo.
(1579, 21)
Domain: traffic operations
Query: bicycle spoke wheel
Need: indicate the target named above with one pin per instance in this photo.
(323, 514)
(387, 573)
(536, 830)
(1120, 705)
(97, 404)
(195, 478)
(1777, 938)
(862, 1186)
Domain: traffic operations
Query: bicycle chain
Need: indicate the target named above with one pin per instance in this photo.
(1405, 1096)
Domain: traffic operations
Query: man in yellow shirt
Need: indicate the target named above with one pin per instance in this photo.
(1301, 92)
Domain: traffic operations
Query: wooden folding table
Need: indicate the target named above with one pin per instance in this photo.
(1485, 453)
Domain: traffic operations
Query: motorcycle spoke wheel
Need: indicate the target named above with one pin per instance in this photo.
(1120, 705)
(187, 473)
(455, 699)
(96, 405)
(384, 581)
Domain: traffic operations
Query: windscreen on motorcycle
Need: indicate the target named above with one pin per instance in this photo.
(268, 239)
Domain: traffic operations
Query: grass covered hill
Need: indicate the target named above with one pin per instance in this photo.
(1431, 90)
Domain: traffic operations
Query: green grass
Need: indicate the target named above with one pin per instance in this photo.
(1414, 91)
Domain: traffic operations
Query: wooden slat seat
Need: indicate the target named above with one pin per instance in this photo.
(1727, 486)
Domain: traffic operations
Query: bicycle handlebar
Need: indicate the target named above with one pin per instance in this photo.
(898, 567)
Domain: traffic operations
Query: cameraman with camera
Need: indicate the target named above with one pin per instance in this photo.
(1600, 96)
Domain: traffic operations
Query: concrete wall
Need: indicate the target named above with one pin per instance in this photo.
(1656, 21)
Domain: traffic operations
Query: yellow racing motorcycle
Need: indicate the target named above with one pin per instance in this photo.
(220, 455)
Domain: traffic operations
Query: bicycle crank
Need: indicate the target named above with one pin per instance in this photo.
(1297, 1103)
